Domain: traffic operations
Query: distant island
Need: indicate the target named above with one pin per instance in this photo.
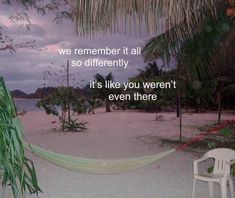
(44, 92)
(39, 93)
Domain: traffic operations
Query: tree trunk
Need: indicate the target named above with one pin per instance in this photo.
(177, 105)
(219, 107)
(180, 115)
(67, 84)
(219, 99)
(107, 106)
(63, 117)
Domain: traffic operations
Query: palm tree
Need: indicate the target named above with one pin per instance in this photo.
(150, 71)
(225, 61)
(207, 56)
(98, 17)
(103, 92)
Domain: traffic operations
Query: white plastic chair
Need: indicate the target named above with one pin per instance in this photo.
(223, 159)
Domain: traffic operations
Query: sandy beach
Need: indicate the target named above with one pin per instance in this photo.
(117, 135)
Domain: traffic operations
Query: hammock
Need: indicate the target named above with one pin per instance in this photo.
(96, 166)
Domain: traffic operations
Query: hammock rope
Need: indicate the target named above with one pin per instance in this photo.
(201, 136)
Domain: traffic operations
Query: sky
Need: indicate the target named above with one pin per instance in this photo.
(24, 69)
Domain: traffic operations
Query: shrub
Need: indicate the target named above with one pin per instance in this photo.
(64, 103)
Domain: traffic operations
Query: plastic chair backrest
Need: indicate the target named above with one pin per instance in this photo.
(221, 157)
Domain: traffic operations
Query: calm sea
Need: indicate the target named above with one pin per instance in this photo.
(26, 104)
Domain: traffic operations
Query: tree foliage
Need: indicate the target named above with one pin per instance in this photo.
(58, 104)
(15, 169)
(103, 91)
(64, 101)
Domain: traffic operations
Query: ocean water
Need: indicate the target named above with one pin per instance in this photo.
(26, 104)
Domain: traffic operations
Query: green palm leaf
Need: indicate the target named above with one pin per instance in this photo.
(102, 16)
(16, 170)
(194, 55)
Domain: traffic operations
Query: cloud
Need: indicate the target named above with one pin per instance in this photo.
(23, 69)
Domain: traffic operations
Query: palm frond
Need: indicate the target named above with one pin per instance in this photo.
(17, 170)
(109, 77)
(159, 47)
(99, 78)
(194, 55)
(94, 17)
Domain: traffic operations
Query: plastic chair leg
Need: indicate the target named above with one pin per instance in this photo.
(210, 184)
(231, 187)
(223, 188)
(194, 186)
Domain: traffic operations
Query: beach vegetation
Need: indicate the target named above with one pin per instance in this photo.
(57, 104)
(16, 170)
(102, 91)
(64, 101)
(94, 103)
(202, 63)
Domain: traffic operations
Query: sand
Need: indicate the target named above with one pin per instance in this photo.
(118, 135)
